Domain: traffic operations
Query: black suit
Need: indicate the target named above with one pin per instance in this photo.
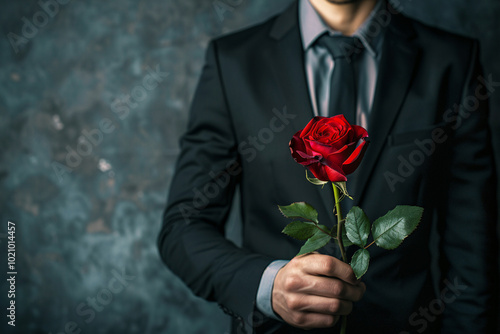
(423, 72)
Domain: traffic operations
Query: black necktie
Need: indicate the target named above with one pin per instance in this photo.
(344, 51)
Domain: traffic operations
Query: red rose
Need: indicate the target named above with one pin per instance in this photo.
(327, 147)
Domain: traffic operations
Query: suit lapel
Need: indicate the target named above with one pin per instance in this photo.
(398, 62)
(287, 64)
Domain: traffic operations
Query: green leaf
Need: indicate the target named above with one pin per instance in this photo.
(318, 240)
(357, 226)
(390, 230)
(315, 181)
(360, 261)
(300, 210)
(300, 230)
(345, 239)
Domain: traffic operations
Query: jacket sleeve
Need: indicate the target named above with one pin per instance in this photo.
(468, 241)
(191, 241)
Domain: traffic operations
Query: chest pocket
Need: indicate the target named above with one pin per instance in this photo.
(437, 134)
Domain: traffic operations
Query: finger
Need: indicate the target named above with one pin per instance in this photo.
(332, 288)
(306, 320)
(317, 304)
(319, 264)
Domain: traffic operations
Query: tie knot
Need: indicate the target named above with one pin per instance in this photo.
(341, 46)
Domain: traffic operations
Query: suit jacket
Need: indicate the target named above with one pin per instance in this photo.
(430, 146)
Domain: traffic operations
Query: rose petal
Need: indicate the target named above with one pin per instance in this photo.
(335, 176)
(296, 144)
(359, 132)
(352, 163)
(318, 171)
(337, 158)
(299, 152)
(325, 173)
(307, 159)
(320, 148)
(312, 123)
(339, 119)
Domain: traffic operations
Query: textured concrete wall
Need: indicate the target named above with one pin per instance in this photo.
(120, 73)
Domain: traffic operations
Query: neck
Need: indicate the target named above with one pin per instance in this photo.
(345, 17)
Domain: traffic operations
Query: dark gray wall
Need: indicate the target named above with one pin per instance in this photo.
(83, 222)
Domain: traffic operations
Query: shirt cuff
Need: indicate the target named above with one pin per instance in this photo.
(264, 293)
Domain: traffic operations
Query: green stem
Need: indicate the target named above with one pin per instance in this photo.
(370, 244)
(340, 221)
(340, 225)
(344, 324)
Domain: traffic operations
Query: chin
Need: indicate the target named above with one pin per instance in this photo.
(342, 2)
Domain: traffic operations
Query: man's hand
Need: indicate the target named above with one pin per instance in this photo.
(314, 290)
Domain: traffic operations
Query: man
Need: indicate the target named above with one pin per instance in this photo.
(420, 93)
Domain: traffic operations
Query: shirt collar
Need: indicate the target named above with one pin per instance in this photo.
(312, 26)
